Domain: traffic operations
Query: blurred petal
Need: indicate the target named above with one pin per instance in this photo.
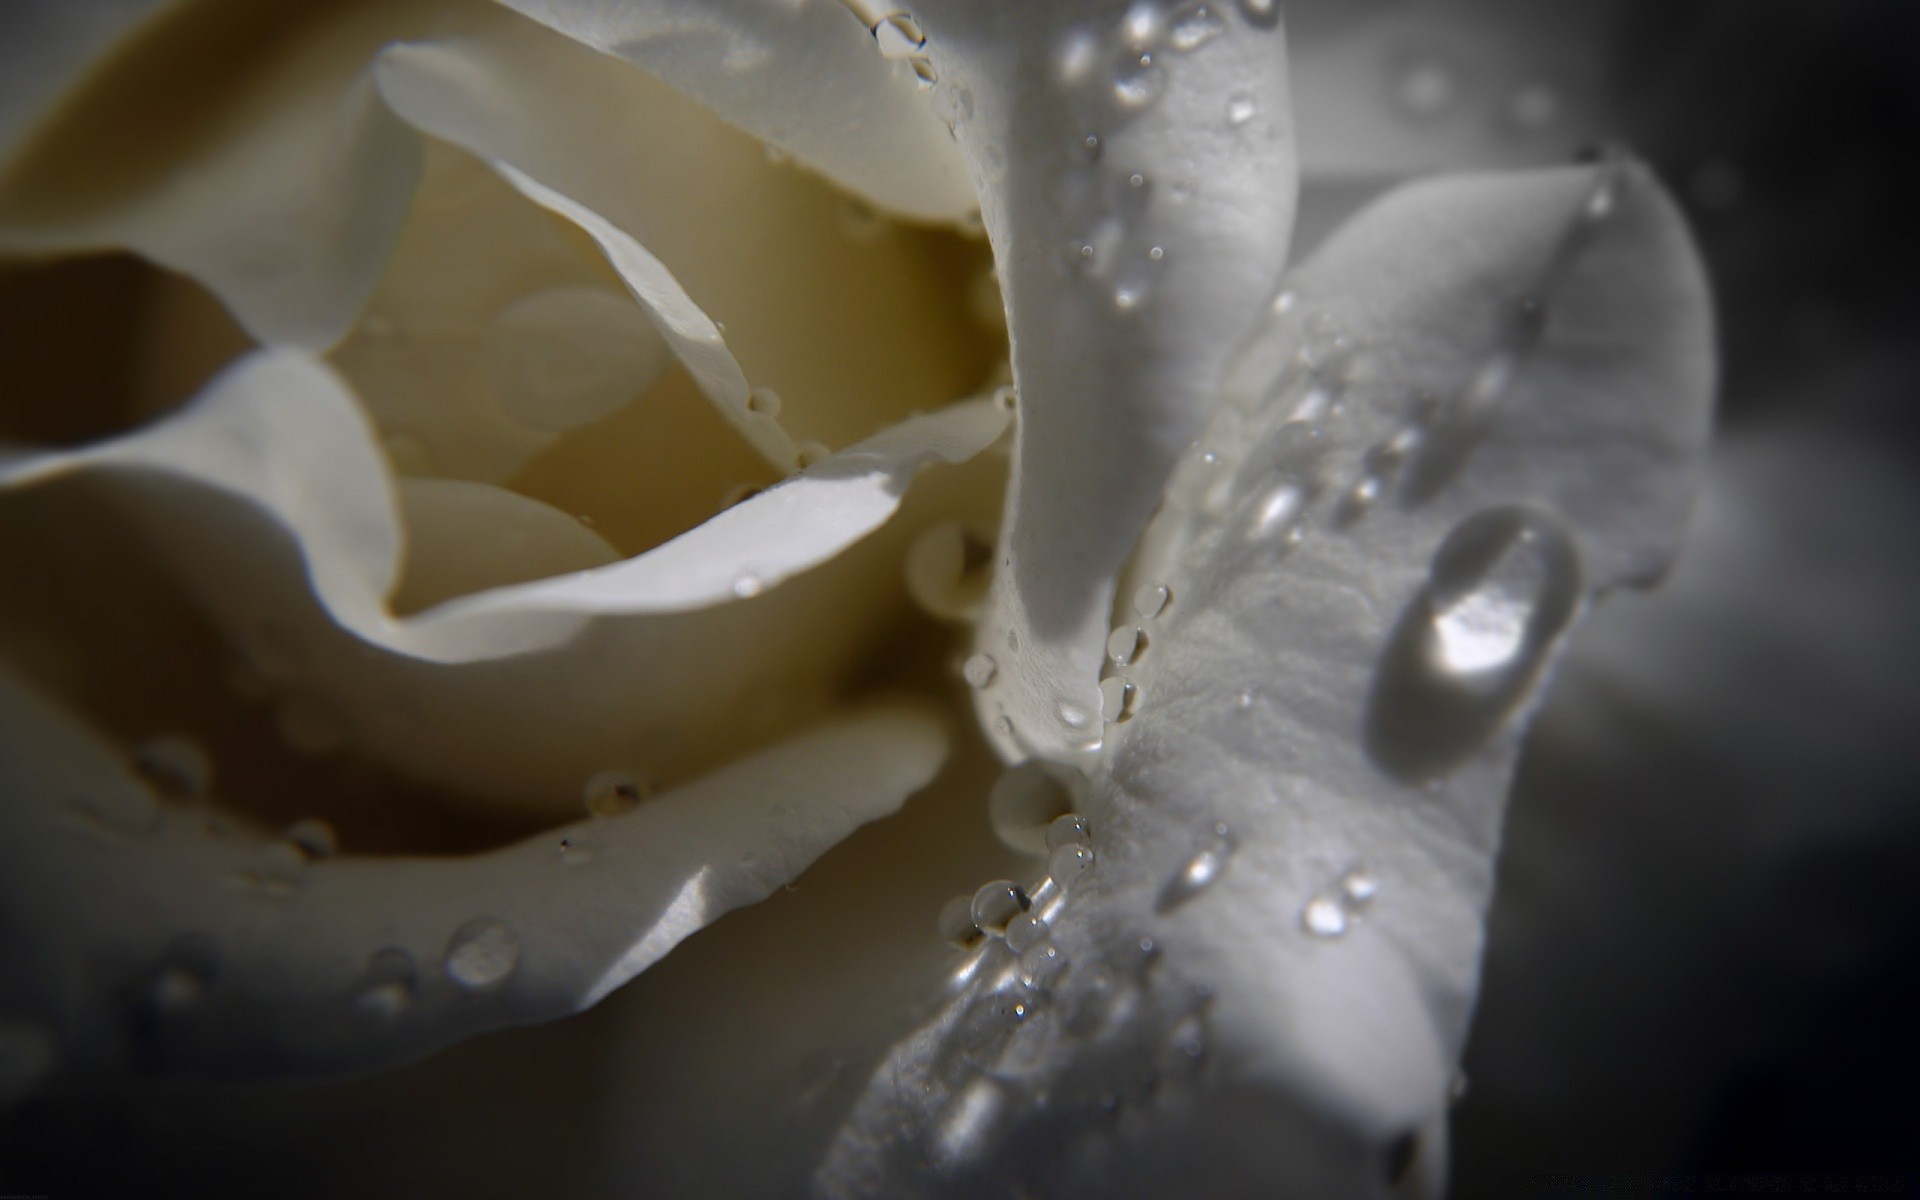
(804, 77)
(182, 163)
(1270, 966)
(49, 48)
(1136, 172)
(269, 498)
(157, 943)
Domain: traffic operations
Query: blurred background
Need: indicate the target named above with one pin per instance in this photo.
(1705, 952)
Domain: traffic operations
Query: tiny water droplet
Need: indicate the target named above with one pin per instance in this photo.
(1025, 932)
(1068, 830)
(1200, 871)
(482, 953)
(980, 670)
(1324, 917)
(810, 453)
(1276, 511)
(747, 585)
(1118, 697)
(610, 794)
(924, 73)
(1156, 253)
(1137, 82)
(997, 903)
(956, 923)
(1194, 25)
(898, 36)
(1124, 644)
(764, 402)
(1359, 887)
(1042, 967)
(1241, 108)
(1151, 599)
(1069, 864)
(1073, 716)
(314, 837)
(388, 985)
(573, 853)
(176, 767)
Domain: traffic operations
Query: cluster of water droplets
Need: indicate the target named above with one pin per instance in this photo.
(900, 37)
(1331, 913)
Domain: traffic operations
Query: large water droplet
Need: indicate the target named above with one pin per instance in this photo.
(956, 923)
(176, 767)
(1201, 871)
(565, 357)
(979, 670)
(898, 36)
(1150, 599)
(1069, 864)
(1124, 644)
(482, 953)
(1194, 25)
(997, 903)
(388, 986)
(1467, 651)
(1025, 932)
(612, 794)
(1068, 830)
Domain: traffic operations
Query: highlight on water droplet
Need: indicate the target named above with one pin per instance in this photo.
(1118, 698)
(482, 953)
(1469, 648)
(1324, 917)
(747, 585)
(997, 903)
(1241, 108)
(979, 670)
(1151, 599)
(610, 794)
(1201, 869)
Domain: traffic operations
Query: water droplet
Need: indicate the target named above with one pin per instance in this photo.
(1022, 805)
(1276, 511)
(747, 585)
(1427, 89)
(1156, 253)
(898, 36)
(176, 767)
(573, 853)
(1073, 716)
(1468, 650)
(1194, 25)
(482, 953)
(1068, 864)
(1358, 501)
(1261, 14)
(565, 357)
(1199, 872)
(924, 73)
(1324, 917)
(1359, 888)
(764, 402)
(1241, 108)
(997, 903)
(956, 923)
(276, 871)
(979, 670)
(1025, 932)
(388, 986)
(1137, 81)
(1068, 830)
(1118, 697)
(1124, 644)
(314, 837)
(1089, 147)
(810, 453)
(1042, 967)
(612, 794)
(1151, 599)
(1003, 725)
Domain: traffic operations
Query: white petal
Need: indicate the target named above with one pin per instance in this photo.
(804, 77)
(267, 496)
(1137, 181)
(1298, 807)
(283, 198)
(161, 945)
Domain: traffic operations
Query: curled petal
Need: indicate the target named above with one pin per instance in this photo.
(1136, 169)
(804, 77)
(1479, 405)
(153, 940)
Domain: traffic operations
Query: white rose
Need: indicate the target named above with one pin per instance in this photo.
(1386, 486)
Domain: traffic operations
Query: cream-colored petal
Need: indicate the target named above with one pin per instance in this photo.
(243, 148)
(161, 945)
(1270, 965)
(49, 48)
(1136, 169)
(804, 77)
(269, 498)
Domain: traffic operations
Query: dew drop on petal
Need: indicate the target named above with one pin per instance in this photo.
(1241, 108)
(979, 670)
(956, 923)
(1069, 864)
(764, 402)
(1261, 14)
(388, 986)
(1194, 25)
(811, 453)
(1359, 888)
(1123, 644)
(898, 36)
(1068, 830)
(1118, 697)
(314, 837)
(997, 903)
(1024, 932)
(747, 585)
(611, 794)
(574, 853)
(1200, 871)
(482, 953)
(1151, 599)
(1324, 917)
